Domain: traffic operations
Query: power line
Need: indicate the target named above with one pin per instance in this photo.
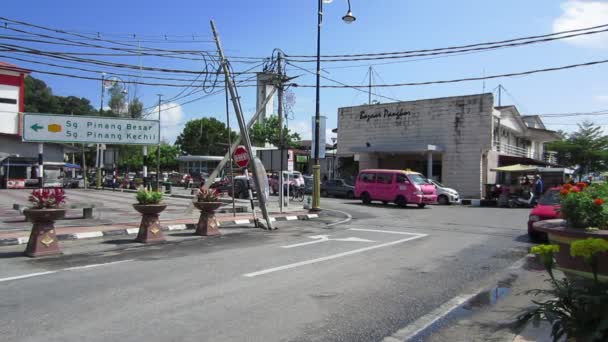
(458, 46)
(523, 73)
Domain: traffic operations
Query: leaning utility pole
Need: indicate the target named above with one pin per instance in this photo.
(369, 94)
(160, 96)
(242, 126)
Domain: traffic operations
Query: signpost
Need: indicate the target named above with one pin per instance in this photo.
(241, 156)
(86, 129)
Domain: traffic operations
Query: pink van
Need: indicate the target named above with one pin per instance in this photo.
(401, 187)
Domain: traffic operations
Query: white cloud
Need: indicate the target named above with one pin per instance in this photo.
(601, 98)
(171, 120)
(304, 128)
(580, 14)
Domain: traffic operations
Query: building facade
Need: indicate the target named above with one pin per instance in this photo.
(455, 140)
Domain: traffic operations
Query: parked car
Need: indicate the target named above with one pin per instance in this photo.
(547, 208)
(398, 186)
(445, 195)
(240, 187)
(338, 188)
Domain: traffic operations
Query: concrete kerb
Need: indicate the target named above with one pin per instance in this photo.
(131, 231)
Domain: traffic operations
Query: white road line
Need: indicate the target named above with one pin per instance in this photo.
(348, 217)
(425, 321)
(384, 231)
(94, 265)
(330, 257)
(319, 238)
(87, 235)
(26, 276)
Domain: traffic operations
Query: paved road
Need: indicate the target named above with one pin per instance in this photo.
(358, 281)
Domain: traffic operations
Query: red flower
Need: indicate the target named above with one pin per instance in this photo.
(575, 189)
(567, 186)
(582, 185)
(598, 201)
(564, 192)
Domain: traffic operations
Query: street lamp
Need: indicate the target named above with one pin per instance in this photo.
(348, 18)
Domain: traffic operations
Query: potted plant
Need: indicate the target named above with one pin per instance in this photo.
(149, 206)
(45, 210)
(207, 202)
(584, 211)
(575, 308)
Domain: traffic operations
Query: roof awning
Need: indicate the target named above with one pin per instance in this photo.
(72, 166)
(517, 168)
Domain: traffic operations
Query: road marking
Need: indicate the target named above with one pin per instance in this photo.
(348, 217)
(425, 321)
(330, 257)
(87, 235)
(291, 218)
(132, 231)
(324, 238)
(94, 265)
(384, 231)
(26, 276)
(246, 221)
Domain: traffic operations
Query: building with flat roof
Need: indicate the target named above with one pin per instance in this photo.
(455, 140)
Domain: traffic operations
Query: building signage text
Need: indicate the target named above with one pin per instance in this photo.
(387, 114)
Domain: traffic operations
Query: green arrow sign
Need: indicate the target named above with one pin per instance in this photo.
(36, 127)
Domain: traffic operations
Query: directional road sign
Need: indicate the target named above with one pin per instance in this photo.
(87, 129)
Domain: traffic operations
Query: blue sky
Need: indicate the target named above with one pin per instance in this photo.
(255, 28)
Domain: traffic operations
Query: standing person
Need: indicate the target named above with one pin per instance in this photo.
(538, 187)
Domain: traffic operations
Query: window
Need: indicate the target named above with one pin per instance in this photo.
(402, 179)
(384, 178)
(418, 179)
(367, 178)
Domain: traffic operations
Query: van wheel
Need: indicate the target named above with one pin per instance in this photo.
(443, 200)
(350, 195)
(400, 201)
(385, 202)
(421, 205)
(242, 195)
(365, 198)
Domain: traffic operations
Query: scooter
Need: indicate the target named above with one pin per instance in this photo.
(522, 201)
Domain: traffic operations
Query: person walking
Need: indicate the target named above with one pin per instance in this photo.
(538, 187)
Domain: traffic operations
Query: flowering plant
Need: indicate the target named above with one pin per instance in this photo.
(207, 195)
(575, 308)
(47, 198)
(585, 206)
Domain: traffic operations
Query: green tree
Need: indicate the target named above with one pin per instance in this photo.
(269, 132)
(118, 98)
(136, 108)
(39, 98)
(131, 156)
(206, 136)
(585, 149)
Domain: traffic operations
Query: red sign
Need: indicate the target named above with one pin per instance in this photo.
(241, 156)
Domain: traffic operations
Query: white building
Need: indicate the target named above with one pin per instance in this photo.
(457, 140)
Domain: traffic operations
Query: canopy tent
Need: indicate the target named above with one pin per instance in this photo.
(72, 166)
(517, 168)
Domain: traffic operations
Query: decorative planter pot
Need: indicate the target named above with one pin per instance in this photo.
(207, 224)
(43, 240)
(559, 234)
(150, 229)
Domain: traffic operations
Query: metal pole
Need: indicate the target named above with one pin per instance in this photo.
(84, 169)
(145, 153)
(229, 145)
(316, 170)
(40, 165)
(97, 162)
(158, 154)
(242, 125)
(281, 142)
(369, 95)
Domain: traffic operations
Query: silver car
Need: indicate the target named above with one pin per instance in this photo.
(445, 195)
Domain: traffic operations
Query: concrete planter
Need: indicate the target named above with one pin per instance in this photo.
(43, 240)
(207, 224)
(149, 228)
(559, 233)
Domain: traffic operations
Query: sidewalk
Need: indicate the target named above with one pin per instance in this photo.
(491, 315)
(8, 238)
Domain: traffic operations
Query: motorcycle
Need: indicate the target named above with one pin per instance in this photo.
(525, 200)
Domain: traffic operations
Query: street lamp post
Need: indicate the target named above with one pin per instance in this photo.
(348, 18)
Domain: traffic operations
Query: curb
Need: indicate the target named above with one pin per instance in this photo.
(130, 231)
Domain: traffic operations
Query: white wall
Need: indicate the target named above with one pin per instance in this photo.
(9, 117)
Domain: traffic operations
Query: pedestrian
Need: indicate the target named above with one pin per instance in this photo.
(538, 187)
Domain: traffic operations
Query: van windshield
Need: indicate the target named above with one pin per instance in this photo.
(417, 179)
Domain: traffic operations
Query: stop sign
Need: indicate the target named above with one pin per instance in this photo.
(241, 156)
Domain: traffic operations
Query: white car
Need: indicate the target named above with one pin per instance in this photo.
(445, 195)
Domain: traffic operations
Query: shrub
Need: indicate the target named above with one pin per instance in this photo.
(149, 197)
(585, 206)
(47, 198)
(207, 195)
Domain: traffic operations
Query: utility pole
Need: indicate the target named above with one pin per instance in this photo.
(242, 125)
(499, 95)
(97, 160)
(280, 117)
(229, 145)
(160, 96)
(369, 95)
